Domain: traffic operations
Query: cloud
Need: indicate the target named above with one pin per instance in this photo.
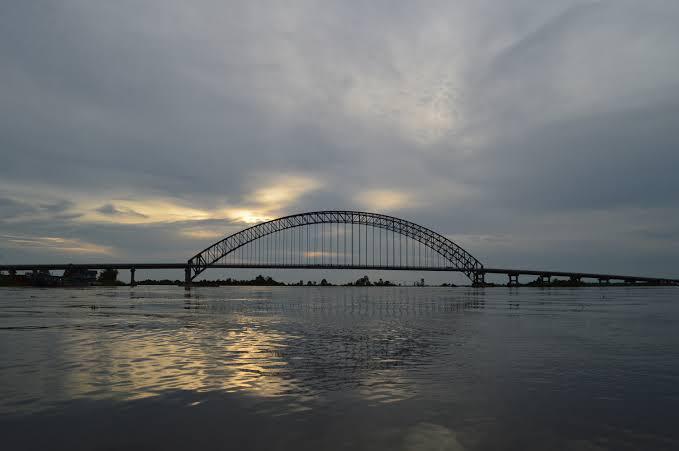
(135, 126)
(11, 208)
(279, 191)
(51, 244)
(203, 234)
(385, 200)
(110, 209)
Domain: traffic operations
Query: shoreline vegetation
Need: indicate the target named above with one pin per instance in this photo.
(109, 277)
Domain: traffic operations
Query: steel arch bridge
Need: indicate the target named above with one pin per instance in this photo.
(336, 240)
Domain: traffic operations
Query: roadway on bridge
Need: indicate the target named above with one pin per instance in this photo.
(183, 266)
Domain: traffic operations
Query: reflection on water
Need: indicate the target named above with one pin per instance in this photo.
(425, 368)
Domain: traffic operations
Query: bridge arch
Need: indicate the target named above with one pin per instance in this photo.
(454, 256)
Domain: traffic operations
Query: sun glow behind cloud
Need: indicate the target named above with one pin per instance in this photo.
(384, 199)
(247, 216)
(283, 190)
(143, 212)
(256, 206)
(202, 234)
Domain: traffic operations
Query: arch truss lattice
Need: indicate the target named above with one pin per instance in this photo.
(450, 256)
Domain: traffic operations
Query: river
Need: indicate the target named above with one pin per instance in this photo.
(340, 368)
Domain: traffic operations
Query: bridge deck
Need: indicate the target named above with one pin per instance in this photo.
(506, 271)
(581, 275)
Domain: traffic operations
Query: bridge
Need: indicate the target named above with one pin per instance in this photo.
(342, 239)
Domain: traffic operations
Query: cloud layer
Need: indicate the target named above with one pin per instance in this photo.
(534, 133)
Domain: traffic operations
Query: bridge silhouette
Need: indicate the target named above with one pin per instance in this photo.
(342, 239)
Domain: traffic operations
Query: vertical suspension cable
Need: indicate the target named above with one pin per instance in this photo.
(322, 241)
(299, 245)
(382, 247)
(406, 251)
(382, 231)
(393, 243)
(306, 254)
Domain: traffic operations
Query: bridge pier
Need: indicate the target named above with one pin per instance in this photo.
(479, 279)
(545, 279)
(187, 278)
(513, 280)
(132, 281)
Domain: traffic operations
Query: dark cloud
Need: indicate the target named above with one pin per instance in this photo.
(10, 208)
(57, 207)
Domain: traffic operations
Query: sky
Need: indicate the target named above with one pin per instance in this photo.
(533, 133)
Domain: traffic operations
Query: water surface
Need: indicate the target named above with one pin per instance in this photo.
(340, 368)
